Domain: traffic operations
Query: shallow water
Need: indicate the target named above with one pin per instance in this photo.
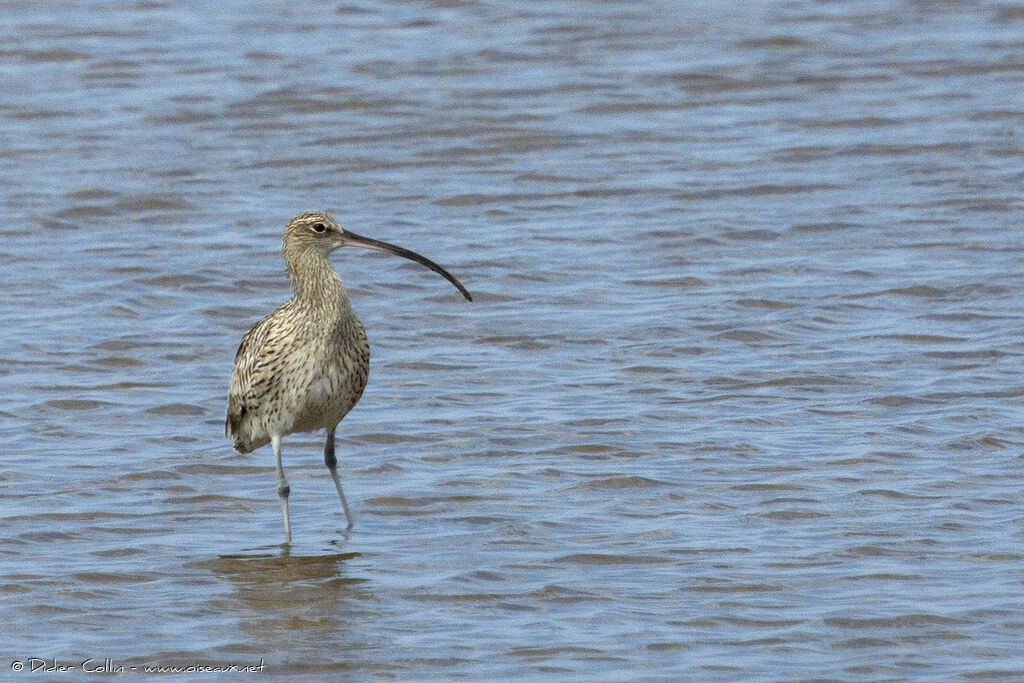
(739, 396)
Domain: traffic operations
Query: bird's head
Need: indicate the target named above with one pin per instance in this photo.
(313, 231)
(317, 232)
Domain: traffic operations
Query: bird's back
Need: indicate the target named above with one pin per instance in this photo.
(252, 384)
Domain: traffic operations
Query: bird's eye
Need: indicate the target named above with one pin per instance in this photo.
(319, 227)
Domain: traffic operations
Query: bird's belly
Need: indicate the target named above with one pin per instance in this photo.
(327, 396)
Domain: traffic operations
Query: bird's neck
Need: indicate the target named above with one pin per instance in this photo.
(316, 282)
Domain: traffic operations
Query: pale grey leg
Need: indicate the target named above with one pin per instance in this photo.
(283, 489)
(332, 465)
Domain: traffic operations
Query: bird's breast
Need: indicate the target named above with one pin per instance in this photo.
(332, 381)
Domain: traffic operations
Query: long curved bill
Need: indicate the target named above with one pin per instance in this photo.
(354, 240)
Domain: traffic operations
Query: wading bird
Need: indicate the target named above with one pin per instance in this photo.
(305, 365)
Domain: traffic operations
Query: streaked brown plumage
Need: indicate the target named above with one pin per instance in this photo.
(305, 365)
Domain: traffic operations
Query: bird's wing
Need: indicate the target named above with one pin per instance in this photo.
(249, 377)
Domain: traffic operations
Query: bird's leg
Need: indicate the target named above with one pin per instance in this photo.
(283, 489)
(332, 465)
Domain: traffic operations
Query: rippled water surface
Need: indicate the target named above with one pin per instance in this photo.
(739, 396)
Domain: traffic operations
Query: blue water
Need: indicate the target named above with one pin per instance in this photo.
(738, 397)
